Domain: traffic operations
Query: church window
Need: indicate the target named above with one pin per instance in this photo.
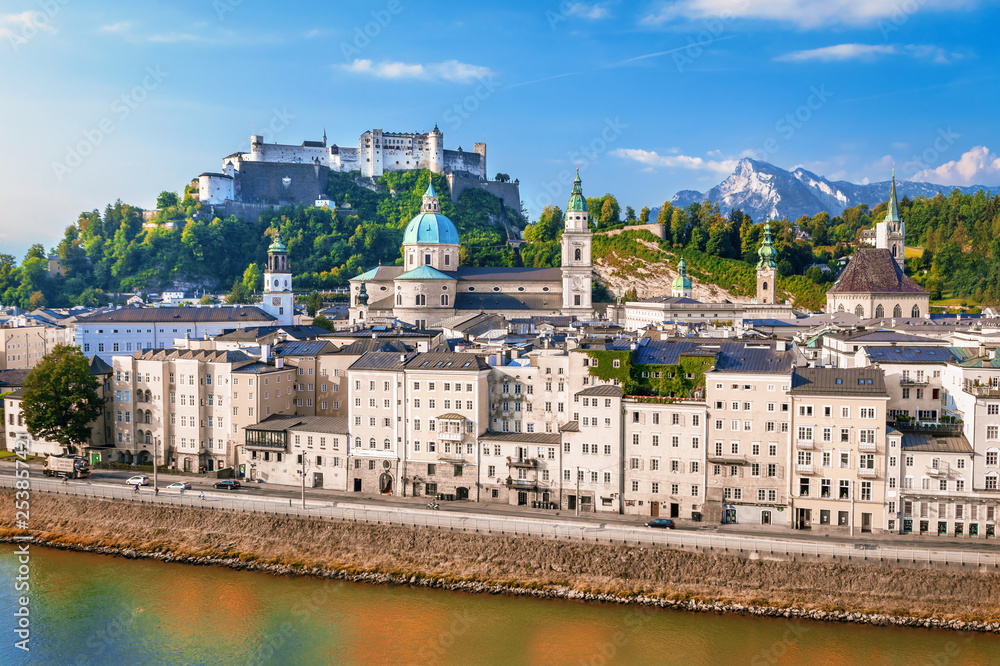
(427, 260)
(897, 311)
(444, 299)
(576, 299)
(879, 311)
(576, 255)
(496, 288)
(859, 311)
(399, 299)
(764, 286)
(421, 299)
(520, 288)
(447, 260)
(545, 288)
(916, 311)
(472, 288)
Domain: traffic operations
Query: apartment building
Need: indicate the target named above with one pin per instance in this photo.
(376, 411)
(592, 465)
(840, 349)
(285, 449)
(664, 457)
(23, 342)
(913, 377)
(749, 418)
(840, 450)
(519, 468)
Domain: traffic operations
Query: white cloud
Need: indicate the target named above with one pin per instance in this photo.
(116, 28)
(868, 52)
(449, 70)
(978, 166)
(652, 159)
(803, 13)
(594, 11)
(18, 25)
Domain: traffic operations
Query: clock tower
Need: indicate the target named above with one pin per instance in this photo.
(278, 297)
(577, 269)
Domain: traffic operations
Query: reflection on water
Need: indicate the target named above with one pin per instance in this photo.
(93, 609)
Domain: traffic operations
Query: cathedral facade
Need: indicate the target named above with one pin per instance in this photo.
(431, 286)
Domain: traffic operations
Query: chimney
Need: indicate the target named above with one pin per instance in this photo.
(402, 358)
(279, 363)
(265, 353)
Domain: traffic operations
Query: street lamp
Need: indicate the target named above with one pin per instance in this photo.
(156, 442)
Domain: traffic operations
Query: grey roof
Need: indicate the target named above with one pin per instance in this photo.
(609, 390)
(229, 313)
(523, 437)
(570, 426)
(332, 424)
(874, 270)
(310, 348)
(510, 274)
(206, 355)
(754, 359)
(455, 361)
(839, 381)
(16, 394)
(99, 367)
(259, 368)
(884, 336)
(927, 441)
(13, 378)
(255, 333)
(507, 301)
(379, 360)
(359, 347)
(893, 354)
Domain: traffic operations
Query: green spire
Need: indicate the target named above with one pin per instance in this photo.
(576, 200)
(682, 282)
(892, 212)
(430, 189)
(766, 251)
(363, 295)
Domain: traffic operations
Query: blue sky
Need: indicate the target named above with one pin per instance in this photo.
(108, 100)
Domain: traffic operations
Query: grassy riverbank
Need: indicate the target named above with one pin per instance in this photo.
(497, 563)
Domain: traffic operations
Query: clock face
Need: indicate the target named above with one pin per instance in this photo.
(276, 301)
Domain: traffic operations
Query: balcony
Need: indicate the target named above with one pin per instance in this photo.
(939, 470)
(522, 484)
(871, 447)
(527, 463)
(450, 436)
(805, 444)
(982, 391)
(910, 381)
(724, 459)
(801, 468)
(867, 472)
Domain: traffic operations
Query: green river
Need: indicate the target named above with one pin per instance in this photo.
(95, 609)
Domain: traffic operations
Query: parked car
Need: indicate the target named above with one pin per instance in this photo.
(664, 523)
(227, 484)
(141, 479)
(179, 485)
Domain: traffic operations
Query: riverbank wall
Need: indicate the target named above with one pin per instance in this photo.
(502, 564)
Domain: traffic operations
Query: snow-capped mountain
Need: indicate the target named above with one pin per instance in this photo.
(767, 192)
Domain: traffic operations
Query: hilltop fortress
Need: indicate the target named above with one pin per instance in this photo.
(273, 173)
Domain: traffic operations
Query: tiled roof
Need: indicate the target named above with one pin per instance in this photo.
(206, 355)
(873, 270)
(310, 348)
(233, 314)
(98, 366)
(455, 361)
(379, 360)
(570, 426)
(9, 378)
(522, 437)
(254, 333)
(839, 381)
(765, 359)
(359, 347)
(332, 424)
(609, 390)
(258, 368)
(928, 442)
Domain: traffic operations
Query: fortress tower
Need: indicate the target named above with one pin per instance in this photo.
(480, 149)
(435, 148)
(577, 268)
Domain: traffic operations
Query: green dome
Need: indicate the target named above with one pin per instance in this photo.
(682, 282)
(576, 200)
(766, 252)
(430, 228)
(277, 245)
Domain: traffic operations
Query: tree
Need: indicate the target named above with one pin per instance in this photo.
(206, 300)
(239, 294)
(314, 304)
(631, 295)
(252, 278)
(37, 300)
(644, 215)
(629, 214)
(60, 398)
(323, 322)
(166, 200)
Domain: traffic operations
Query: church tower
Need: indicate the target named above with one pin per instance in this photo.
(278, 298)
(577, 268)
(890, 233)
(682, 283)
(767, 270)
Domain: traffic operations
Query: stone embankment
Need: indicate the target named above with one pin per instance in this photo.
(521, 566)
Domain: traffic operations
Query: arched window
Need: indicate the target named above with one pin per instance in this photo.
(371, 443)
(399, 299)
(576, 255)
(859, 311)
(444, 299)
(147, 438)
(916, 311)
(897, 311)
(894, 250)
(148, 416)
(357, 442)
(879, 311)
(840, 308)
(385, 444)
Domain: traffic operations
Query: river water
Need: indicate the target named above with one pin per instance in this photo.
(95, 609)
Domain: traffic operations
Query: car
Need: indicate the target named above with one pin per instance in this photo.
(141, 479)
(664, 523)
(179, 485)
(227, 484)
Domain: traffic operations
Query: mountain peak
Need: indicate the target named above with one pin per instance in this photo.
(767, 192)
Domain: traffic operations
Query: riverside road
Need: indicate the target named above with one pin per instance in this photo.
(511, 520)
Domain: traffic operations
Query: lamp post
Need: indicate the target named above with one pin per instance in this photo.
(156, 442)
(302, 457)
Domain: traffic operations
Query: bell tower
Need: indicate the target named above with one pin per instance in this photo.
(577, 267)
(890, 233)
(767, 270)
(278, 297)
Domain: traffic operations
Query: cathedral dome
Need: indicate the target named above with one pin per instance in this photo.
(430, 228)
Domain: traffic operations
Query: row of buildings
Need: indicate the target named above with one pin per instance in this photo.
(835, 423)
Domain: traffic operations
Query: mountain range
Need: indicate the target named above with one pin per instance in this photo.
(767, 192)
